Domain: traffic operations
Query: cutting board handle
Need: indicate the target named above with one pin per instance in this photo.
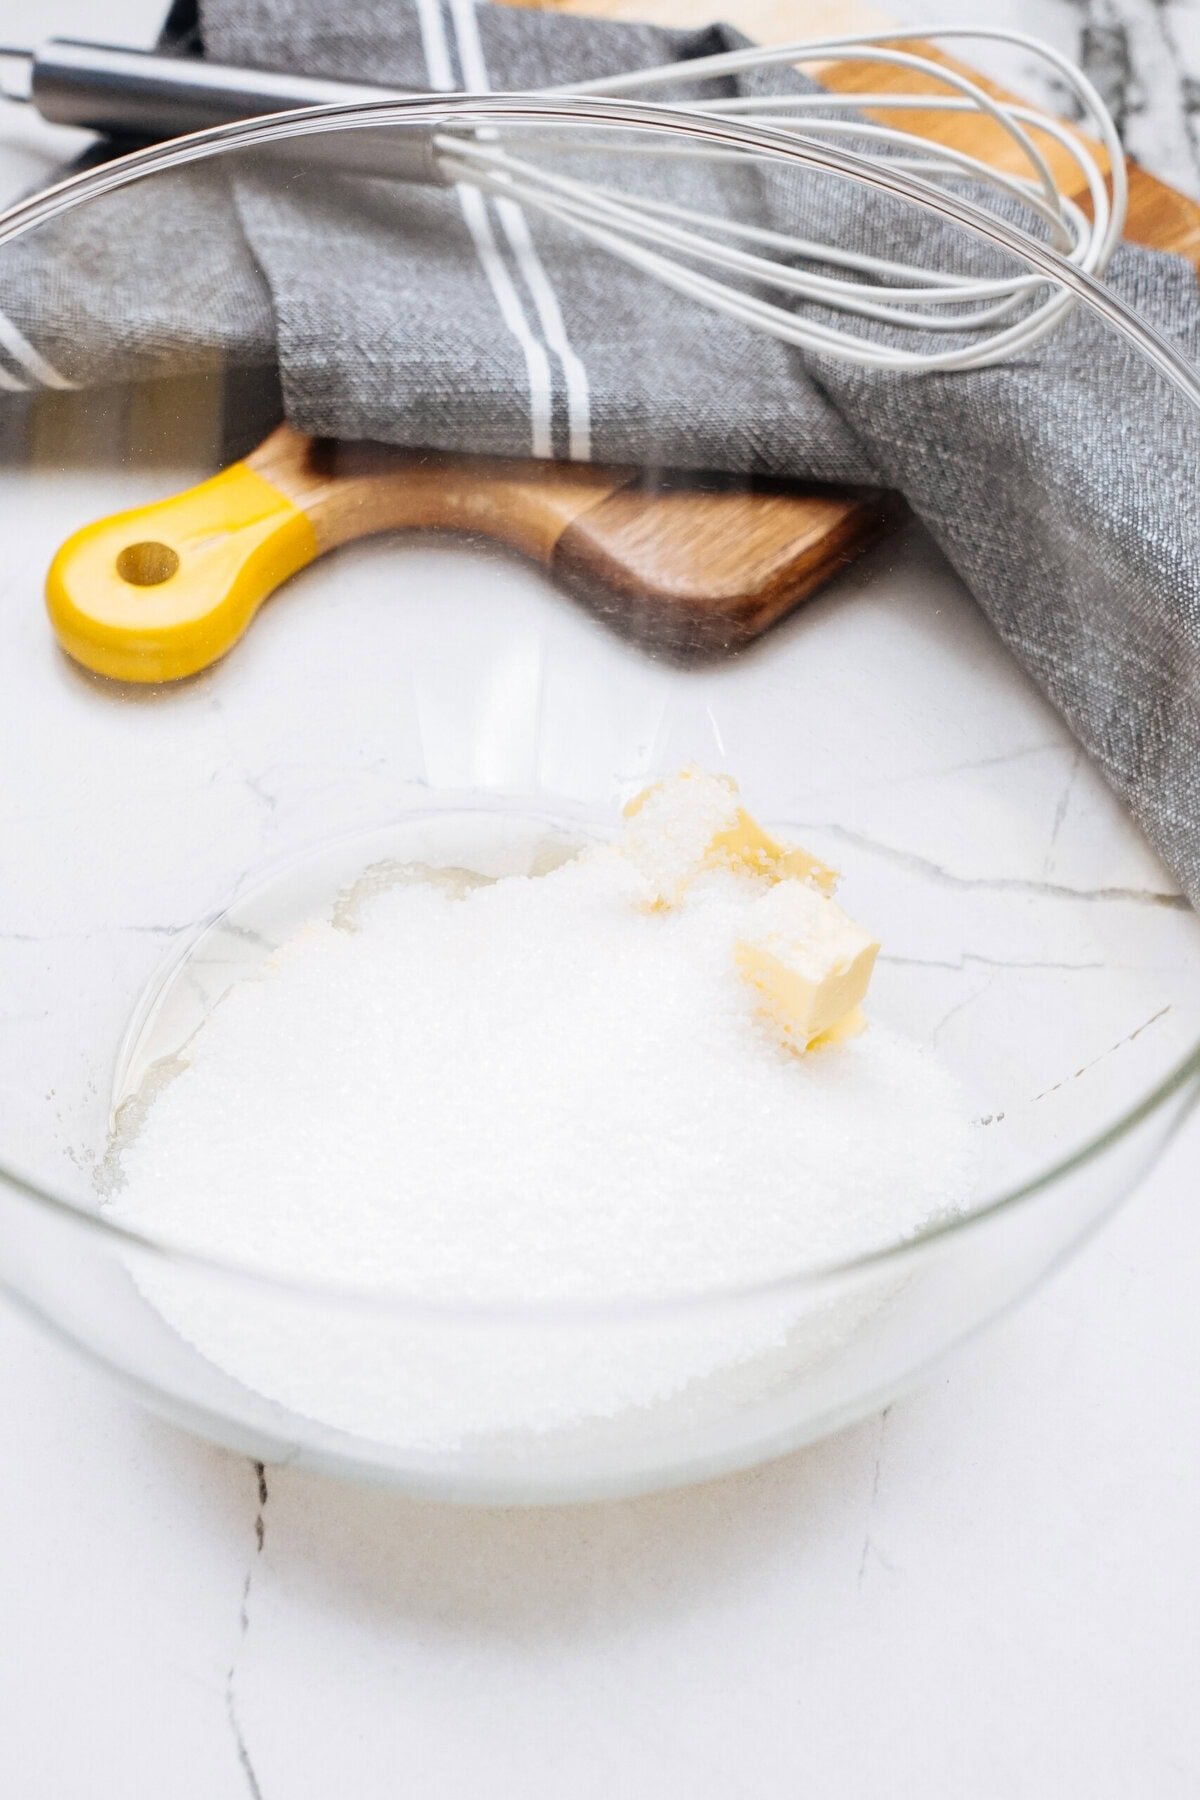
(162, 591)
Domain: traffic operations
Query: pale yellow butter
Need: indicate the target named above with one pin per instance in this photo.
(809, 964)
(676, 828)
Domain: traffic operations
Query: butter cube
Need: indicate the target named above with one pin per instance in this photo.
(808, 963)
(691, 822)
(747, 846)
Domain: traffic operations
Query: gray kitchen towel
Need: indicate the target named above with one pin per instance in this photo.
(1061, 485)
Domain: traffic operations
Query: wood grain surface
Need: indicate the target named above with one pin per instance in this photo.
(684, 566)
(352, 490)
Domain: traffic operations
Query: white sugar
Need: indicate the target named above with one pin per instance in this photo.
(672, 825)
(528, 1090)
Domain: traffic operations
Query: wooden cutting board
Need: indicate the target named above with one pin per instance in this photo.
(683, 565)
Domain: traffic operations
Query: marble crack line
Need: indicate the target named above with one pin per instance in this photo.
(867, 1545)
(996, 884)
(245, 1762)
(1061, 810)
(254, 784)
(970, 957)
(914, 777)
(1111, 1051)
(80, 937)
(960, 1006)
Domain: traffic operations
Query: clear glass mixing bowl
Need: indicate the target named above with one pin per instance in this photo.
(442, 697)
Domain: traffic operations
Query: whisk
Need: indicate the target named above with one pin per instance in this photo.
(950, 319)
(904, 296)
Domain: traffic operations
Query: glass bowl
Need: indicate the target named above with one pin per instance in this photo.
(439, 698)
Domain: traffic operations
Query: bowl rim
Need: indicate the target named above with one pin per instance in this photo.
(563, 108)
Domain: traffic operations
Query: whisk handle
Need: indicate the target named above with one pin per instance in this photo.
(141, 94)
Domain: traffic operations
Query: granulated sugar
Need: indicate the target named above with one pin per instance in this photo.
(530, 1090)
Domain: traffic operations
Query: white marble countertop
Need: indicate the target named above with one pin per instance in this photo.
(991, 1591)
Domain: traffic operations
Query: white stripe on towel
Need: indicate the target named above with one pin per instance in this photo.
(18, 349)
(474, 209)
(516, 229)
(16, 345)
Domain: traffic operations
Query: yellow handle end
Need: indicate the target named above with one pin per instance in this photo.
(162, 591)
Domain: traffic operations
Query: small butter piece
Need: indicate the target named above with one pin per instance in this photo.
(809, 963)
(852, 1026)
(746, 845)
(693, 821)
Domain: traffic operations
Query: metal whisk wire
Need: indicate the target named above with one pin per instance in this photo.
(704, 254)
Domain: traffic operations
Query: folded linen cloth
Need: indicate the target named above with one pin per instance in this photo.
(1061, 485)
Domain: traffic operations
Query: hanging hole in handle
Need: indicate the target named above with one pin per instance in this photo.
(147, 564)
